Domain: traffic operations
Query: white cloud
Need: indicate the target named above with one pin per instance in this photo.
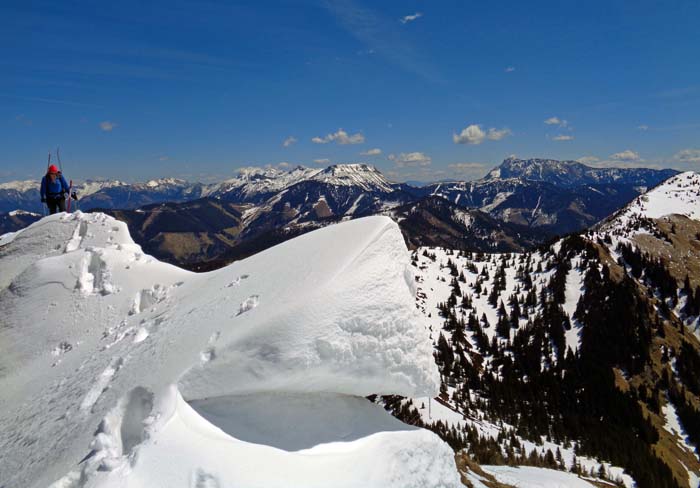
(470, 135)
(563, 138)
(509, 69)
(322, 161)
(626, 156)
(341, 137)
(410, 159)
(556, 121)
(289, 141)
(643, 127)
(474, 134)
(497, 135)
(410, 18)
(371, 152)
(688, 156)
(284, 165)
(163, 158)
(107, 126)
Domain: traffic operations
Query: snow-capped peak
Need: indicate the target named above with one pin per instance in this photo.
(255, 180)
(361, 175)
(574, 173)
(20, 186)
(21, 212)
(164, 182)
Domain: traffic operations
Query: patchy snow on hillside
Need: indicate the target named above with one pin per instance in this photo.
(674, 427)
(434, 277)
(119, 370)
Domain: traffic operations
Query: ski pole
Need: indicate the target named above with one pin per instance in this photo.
(70, 190)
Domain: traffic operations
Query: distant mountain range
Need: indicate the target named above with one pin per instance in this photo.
(569, 174)
(515, 206)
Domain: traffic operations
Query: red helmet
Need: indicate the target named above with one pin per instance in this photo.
(53, 169)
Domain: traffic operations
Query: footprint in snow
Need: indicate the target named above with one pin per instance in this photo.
(62, 348)
(207, 355)
(237, 281)
(248, 304)
(101, 384)
(202, 479)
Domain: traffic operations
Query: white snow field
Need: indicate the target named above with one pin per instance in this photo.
(678, 195)
(117, 370)
(529, 477)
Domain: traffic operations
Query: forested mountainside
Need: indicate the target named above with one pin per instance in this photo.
(581, 355)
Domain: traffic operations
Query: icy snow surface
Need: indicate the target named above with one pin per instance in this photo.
(113, 366)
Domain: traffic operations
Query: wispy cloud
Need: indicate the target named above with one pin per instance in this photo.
(556, 121)
(22, 119)
(626, 156)
(474, 134)
(563, 137)
(108, 126)
(509, 69)
(384, 36)
(371, 152)
(322, 161)
(643, 127)
(410, 18)
(411, 159)
(688, 156)
(340, 137)
(289, 141)
(468, 169)
(623, 159)
(588, 160)
(49, 100)
(497, 134)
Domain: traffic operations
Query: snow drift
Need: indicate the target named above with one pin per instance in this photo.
(119, 370)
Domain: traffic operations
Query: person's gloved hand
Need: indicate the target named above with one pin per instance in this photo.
(74, 196)
(43, 200)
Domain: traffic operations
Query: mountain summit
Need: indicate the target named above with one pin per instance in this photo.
(573, 173)
(119, 370)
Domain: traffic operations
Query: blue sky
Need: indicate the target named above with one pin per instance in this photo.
(426, 90)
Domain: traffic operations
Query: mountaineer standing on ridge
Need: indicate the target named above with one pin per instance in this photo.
(54, 190)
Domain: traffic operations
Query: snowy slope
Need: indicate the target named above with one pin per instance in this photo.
(530, 477)
(254, 181)
(679, 195)
(364, 176)
(113, 358)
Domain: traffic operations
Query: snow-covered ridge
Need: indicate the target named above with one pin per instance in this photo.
(124, 362)
(20, 186)
(253, 181)
(21, 212)
(361, 175)
(678, 195)
(572, 173)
